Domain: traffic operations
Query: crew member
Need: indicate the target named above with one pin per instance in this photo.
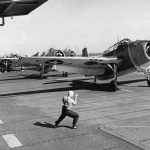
(68, 102)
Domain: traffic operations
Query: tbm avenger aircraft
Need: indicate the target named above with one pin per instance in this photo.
(7, 64)
(9, 8)
(44, 67)
(122, 58)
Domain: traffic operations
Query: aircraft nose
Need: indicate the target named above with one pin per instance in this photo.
(59, 53)
(147, 49)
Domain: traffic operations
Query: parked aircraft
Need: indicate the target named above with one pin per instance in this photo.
(44, 67)
(9, 8)
(6, 64)
(69, 53)
(122, 58)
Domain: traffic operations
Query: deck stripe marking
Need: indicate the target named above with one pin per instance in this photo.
(1, 122)
(11, 140)
(71, 78)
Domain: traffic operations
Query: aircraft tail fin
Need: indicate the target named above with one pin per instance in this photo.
(84, 52)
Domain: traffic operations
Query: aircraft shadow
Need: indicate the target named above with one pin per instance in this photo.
(80, 84)
(23, 77)
(49, 125)
(61, 81)
(12, 79)
(130, 81)
(75, 85)
(37, 76)
(32, 76)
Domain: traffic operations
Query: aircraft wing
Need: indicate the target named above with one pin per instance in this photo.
(83, 65)
(18, 7)
(8, 60)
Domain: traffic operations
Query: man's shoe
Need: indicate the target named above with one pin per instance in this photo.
(75, 127)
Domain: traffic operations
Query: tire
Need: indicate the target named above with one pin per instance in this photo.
(66, 74)
(114, 85)
(148, 82)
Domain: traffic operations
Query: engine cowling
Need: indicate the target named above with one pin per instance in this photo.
(69, 53)
(139, 53)
(56, 53)
(59, 53)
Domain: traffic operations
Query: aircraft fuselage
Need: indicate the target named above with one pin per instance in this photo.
(132, 54)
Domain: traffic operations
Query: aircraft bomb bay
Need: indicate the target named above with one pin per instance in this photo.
(108, 120)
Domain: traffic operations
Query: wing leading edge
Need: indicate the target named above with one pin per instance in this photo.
(65, 61)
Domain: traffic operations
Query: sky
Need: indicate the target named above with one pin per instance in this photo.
(75, 24)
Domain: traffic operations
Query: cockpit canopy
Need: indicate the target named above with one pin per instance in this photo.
(118, 45)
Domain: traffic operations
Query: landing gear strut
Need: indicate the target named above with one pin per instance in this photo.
(95, 79)
(113, 83)
(147, 74)
(6, 67)
(42, 71)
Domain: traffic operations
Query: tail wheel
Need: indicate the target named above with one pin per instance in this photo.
(148, 82)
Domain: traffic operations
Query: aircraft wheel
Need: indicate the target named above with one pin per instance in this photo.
(114, 85)
(148, 82)
(65, 74)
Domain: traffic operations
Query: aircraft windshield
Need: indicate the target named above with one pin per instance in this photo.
(117, 45)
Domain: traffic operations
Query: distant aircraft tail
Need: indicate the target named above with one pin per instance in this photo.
(36, 54)
(84, 52)
(17, 56)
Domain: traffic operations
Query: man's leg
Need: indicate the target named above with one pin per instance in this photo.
(73, 115)
(62, 116)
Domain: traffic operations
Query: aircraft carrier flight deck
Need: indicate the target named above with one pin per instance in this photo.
(109, 120)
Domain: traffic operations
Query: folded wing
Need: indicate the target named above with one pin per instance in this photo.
(18, 7)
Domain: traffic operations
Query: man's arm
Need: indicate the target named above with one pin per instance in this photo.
(74, 102)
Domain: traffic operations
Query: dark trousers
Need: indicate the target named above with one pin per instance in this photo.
(69, 113)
